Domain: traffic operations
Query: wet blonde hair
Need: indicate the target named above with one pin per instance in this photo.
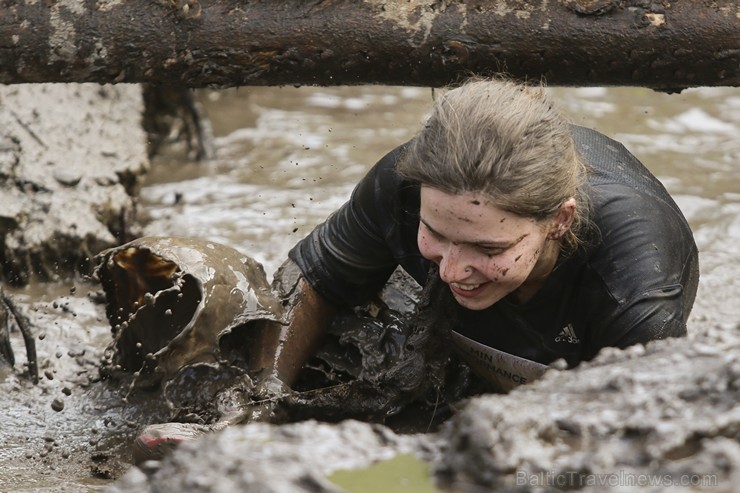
(507, 141)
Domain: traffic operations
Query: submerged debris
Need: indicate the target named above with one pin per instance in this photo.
(9, 311)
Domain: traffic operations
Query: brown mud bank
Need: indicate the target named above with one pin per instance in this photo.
(71, 157)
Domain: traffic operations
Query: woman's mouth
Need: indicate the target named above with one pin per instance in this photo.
(467, 290)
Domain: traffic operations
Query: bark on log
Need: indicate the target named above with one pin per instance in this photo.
(225, 43)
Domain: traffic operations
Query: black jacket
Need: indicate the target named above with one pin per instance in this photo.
(634, 281)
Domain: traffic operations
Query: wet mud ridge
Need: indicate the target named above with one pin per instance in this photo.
(659, 418)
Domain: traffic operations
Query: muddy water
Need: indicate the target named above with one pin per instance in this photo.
(287, 157)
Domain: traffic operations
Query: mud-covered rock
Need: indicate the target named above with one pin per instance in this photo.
(70, 160)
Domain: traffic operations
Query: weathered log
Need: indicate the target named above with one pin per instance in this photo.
(226, 43)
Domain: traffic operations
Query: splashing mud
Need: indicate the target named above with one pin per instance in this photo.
(183, 310)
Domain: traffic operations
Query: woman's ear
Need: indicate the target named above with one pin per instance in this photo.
(563, 219)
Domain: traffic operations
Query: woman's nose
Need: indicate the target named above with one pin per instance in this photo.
(452, 266)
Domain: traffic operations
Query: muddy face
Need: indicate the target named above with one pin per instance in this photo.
(178, 302)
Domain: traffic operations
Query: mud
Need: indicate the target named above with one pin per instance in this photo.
(71, 157)
(267, 458)
(666, 413)
(72, 431)
(173, 301)
(187, 316)
(289, 157)
(664, 417)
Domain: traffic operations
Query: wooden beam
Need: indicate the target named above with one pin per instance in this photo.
(225, 43)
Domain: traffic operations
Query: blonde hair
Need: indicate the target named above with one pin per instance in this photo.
(507, 141)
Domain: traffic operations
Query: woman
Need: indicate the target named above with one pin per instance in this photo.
(553, 239)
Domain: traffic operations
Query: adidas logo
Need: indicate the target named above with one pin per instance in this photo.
(568, 335)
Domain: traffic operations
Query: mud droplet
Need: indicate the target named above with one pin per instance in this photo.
(57, 405)
(66, 177)
(66, 391)
(49, 375)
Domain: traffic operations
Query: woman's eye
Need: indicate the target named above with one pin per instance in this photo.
(433, 233)
(492, 252)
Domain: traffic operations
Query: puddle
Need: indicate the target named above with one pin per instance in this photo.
(403, 474)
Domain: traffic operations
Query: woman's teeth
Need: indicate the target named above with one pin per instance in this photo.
(466, 287)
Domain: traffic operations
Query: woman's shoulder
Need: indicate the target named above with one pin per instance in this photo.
(611, 166)
(640, 236)
(640, 242)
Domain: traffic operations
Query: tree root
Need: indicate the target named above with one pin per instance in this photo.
(25, 328)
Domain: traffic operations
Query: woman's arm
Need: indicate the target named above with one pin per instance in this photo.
(282, 350)
(308, 321)
(342, 262)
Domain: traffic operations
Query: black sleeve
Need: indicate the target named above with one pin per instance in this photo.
(347, 258)
(649, 267)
